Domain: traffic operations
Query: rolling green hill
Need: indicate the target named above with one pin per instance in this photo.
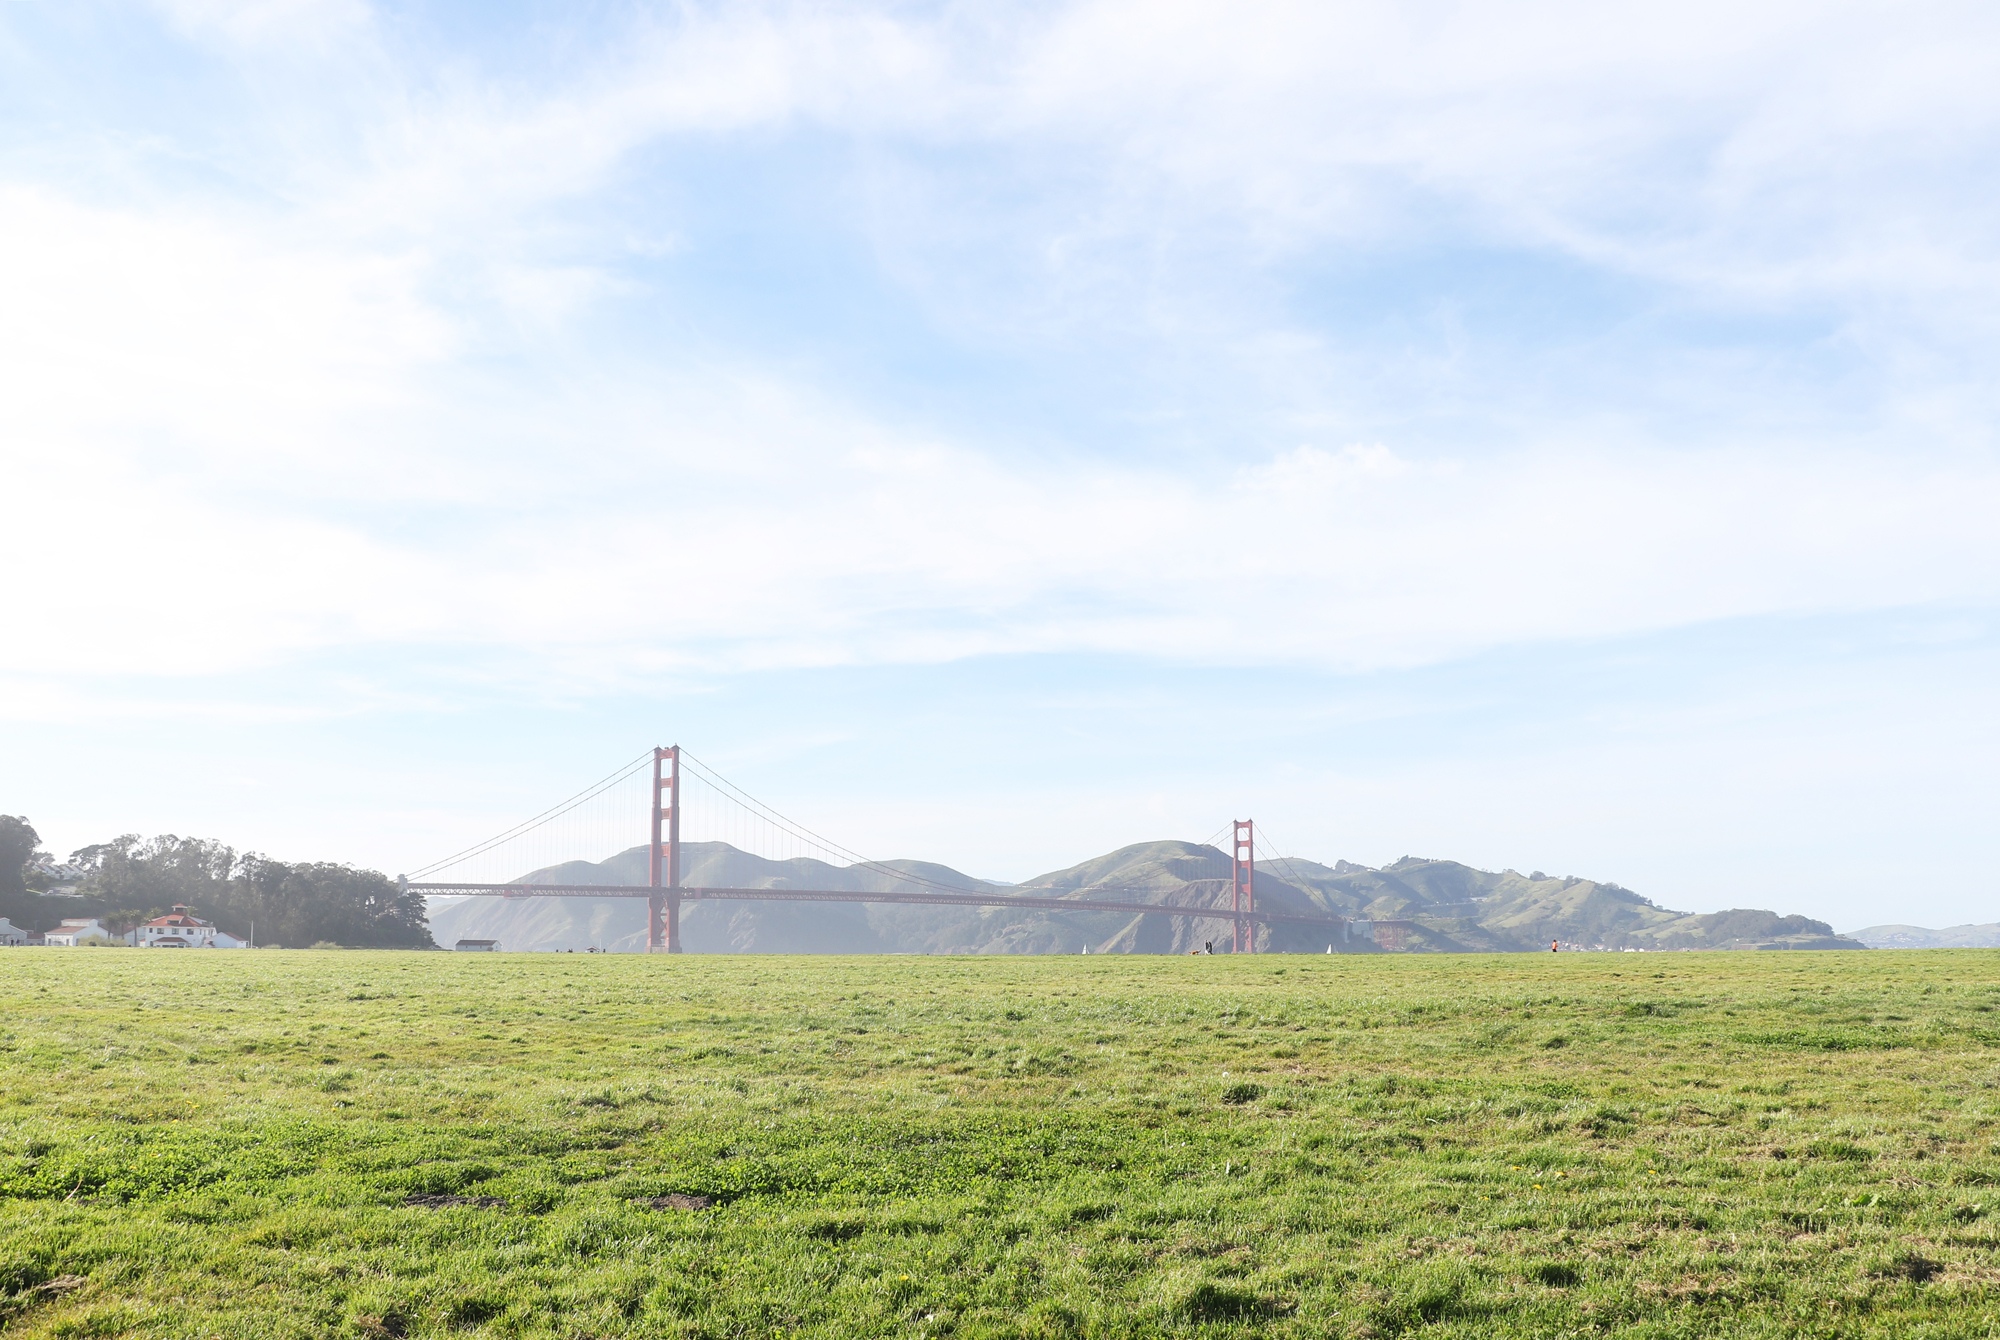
(1413, 904)
(1455, 907)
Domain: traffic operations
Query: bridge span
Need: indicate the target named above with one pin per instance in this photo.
(937, 898)
(664, 890)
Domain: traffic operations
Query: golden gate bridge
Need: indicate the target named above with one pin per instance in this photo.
(665, 806)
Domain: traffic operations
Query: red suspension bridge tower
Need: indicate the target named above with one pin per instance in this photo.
(663, 904)
(1244, 867)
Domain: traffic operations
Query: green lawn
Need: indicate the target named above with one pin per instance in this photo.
(1782, 1144)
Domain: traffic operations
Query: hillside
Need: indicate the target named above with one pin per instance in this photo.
(1455, 907)
(618, 925)
(1429, 905)
(1983, 936)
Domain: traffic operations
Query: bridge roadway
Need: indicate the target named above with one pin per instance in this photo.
(851, 896)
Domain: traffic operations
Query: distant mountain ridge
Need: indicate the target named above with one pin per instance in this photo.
(1418, 904)
(1983, 936)
(1455, 907)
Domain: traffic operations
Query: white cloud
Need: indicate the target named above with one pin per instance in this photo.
(283, 483)
(1131, 159)
(379, 414)
(260, 23)
(170, 334)
(1636, 131)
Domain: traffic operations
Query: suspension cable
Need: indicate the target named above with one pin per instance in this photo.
(527, 825)
(1297, 880)
(743, 798)
(807, 835)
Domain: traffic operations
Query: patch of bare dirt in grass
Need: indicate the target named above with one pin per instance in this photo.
(675, 1202)
(1911, 1266)
(1694, 1289)
(1962, 1273)
(1211, 1249)
(48, 1291)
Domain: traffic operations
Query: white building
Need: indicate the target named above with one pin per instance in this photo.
(477, 946)
(180, 929)
(11, 935)
(75, 930)
(61, 872)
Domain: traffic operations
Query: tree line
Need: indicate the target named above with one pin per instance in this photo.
(134, 879)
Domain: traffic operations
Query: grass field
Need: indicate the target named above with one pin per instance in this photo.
(227, 1144)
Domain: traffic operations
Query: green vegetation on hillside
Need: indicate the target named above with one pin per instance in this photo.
(1456, 907)
(381, 1144)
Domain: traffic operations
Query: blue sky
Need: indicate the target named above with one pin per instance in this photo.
(1546, 435)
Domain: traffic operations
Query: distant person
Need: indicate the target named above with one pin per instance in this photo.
(1554, 946)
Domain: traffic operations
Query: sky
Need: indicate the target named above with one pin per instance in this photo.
(1542, 435)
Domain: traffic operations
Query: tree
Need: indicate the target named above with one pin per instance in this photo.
(18, 841)
(154, 874)
(311, 901)
(294, 903)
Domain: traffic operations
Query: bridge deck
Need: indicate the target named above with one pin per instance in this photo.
(1027, 901)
